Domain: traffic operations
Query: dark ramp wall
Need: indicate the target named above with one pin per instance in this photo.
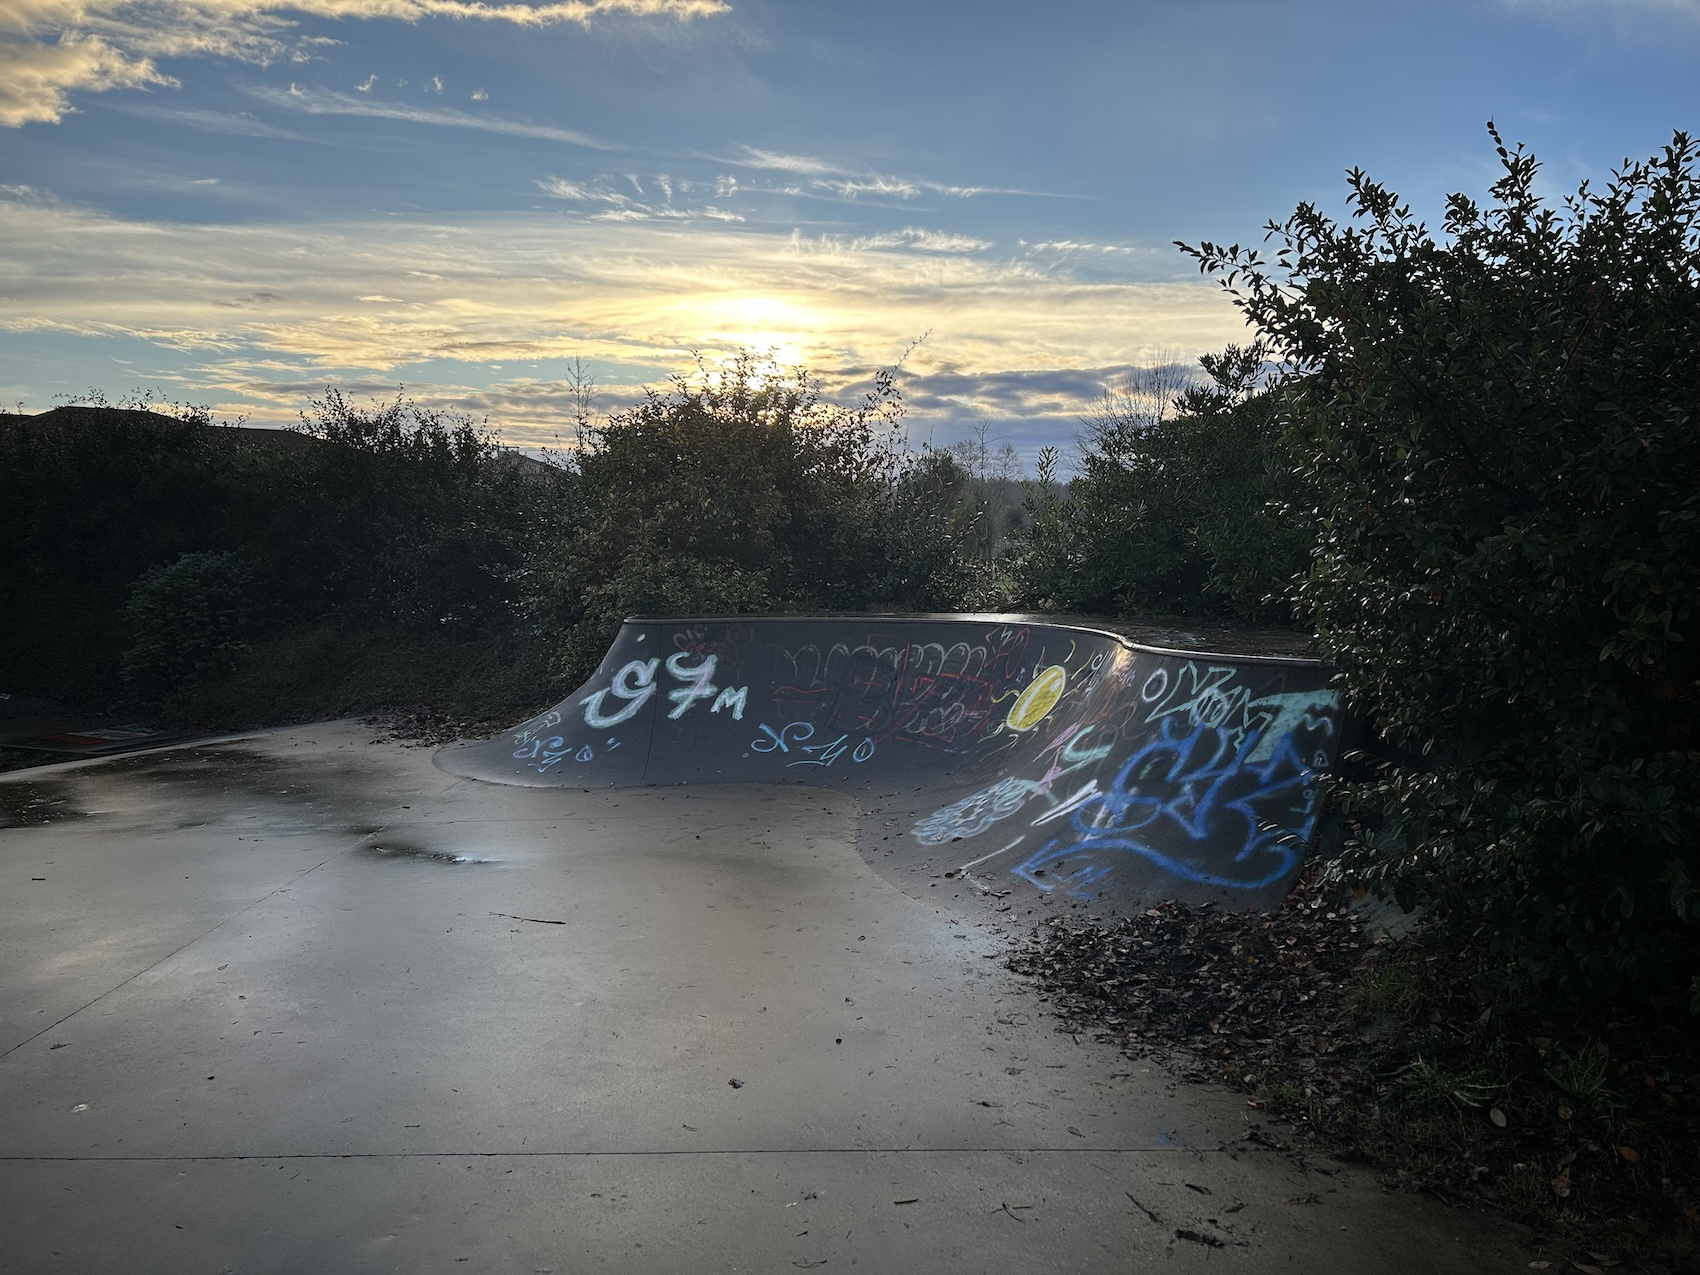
(1066, 757)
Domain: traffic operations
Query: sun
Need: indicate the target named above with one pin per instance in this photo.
(777, 331)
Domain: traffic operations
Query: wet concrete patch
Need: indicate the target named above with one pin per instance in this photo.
(222, 765)
(395, 850)
(32, 803)
(287, 1056)
(240, 781)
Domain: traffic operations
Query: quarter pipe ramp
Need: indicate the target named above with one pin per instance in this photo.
(1068, 758)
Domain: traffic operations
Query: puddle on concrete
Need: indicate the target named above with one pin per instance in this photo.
(221, 765)
(393, 849)
(31, 803)
(234, 782)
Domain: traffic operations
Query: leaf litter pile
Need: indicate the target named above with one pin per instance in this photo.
(430, 728)
(1412, 1055)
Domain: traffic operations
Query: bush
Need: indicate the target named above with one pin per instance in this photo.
(187, 621)
(395, 528)
(1502, 438)
(743, 492)
(126, 530)
(1177, 506)
(91, 496)
(400, 514)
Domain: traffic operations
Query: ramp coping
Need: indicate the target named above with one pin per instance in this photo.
(978, 617)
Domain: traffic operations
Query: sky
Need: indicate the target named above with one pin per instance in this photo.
(240, 203)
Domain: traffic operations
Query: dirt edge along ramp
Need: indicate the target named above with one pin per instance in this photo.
(1072, 759)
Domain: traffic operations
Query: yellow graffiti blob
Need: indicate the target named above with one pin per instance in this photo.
(1039, 698)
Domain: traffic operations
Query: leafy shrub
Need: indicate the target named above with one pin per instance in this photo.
(368, 518)
(187, 621)
(1501, 430)
(1176, 508)
(94, 494)
(400, 514)
(743, 491)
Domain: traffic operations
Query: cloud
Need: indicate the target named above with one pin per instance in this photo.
(826, 177)
(922, 240)
(652, 212)
(753, 158)
(328, 102)
(1047, 392)
(624, 208)
(37, 78)
(52, 49)
(238, 123)
(369, 301)
(561, 188)
(366, 85)
(1072, 245)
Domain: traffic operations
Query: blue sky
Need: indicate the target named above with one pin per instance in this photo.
(238, 203)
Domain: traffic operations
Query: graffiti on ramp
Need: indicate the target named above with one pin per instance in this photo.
(1065, 758)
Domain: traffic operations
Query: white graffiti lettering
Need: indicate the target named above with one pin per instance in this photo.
(732, 697)
(1292, 711)
(528, 731)
(634, 683)
(699, 679)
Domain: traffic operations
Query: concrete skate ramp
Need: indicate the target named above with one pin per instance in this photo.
(1070, 758)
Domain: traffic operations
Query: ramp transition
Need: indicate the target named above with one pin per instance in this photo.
(1070, 758)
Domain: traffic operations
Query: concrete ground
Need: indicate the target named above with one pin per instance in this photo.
(304, 1003)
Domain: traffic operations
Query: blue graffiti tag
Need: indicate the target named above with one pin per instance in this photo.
(1200, 790)
(975, 813)
(544, 753)
(797, 735)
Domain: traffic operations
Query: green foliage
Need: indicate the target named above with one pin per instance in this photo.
(312, 671)
(98, 493)
(1431, 1082)
(403, 515)
(990, 508)
(126, 526)
(237, 576)
(1177, 508)
(1389, 988)
(1582, 1076)
(744, 492)
(1503, 465)
(187, 621)
(91, 497)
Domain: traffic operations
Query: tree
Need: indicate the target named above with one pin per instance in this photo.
(393, 520)
(1501, 436)
(1176, 506)
(402, 514)
(990, 491)
(744, 491)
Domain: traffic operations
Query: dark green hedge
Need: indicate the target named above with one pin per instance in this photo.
(1500, 428)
